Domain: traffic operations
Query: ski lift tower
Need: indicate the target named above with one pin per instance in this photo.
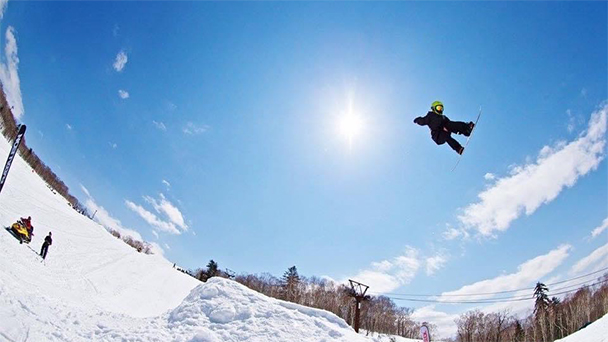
(358, 290)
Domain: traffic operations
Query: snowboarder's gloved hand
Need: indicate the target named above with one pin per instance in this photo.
(417, 120)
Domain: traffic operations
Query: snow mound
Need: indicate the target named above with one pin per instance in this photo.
(240, 314)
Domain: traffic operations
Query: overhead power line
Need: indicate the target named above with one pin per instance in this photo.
(490, 293)
(491, 300)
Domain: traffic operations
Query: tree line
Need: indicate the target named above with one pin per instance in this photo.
(551, 318)
(9, 128)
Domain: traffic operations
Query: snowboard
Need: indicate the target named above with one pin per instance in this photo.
(468, 140)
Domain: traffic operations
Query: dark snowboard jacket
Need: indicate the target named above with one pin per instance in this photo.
(48, 241)
(435, 121)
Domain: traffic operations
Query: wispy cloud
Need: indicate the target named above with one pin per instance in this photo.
(159, 125)
(167, 184)
(123, 94)
(115, 30)
(113, 145)
(103, 217)
(170, 106)
(163, 206)
(152, 219)
(3, 4)
(85, 190)
(68, 126)
(598, 259)
(527, 274)
(193, 129)
(169, 219)
(600, 229)
(452, 233)
(9, 75)
(435, 263)
(571, 121)
(120, 61)
(387, 275)
(531, 185)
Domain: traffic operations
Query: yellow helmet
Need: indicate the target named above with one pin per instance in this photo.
(437, 107)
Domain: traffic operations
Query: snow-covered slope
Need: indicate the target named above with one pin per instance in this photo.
(594, 332)
(94, 287)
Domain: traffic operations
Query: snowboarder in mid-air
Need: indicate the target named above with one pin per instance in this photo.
(442, 127)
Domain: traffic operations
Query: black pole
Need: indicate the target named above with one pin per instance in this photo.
(11, 155)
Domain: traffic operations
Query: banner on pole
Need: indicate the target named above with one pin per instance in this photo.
(424, 333)
(12, 154)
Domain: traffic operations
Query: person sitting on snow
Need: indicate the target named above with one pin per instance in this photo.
(27, 222)
(442, 128)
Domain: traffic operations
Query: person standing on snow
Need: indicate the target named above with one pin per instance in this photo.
(45, 245)
(442, 128)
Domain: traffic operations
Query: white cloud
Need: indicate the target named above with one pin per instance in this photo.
(156, 248)
(598, 259)
(489, 176)
(435, 263)
(3, 4)
(152, 219)
(103, 217)
(170, 106)
(167, 247)
(121, 61)
(115, 30)
(444, 321)
(387, 275)
(571, 121)
(527, 274)
(163, 206)
(167, 184)
(85, 190)
(531, 185)
(68, 126)
(9, 75)
(452, 233)
(192, 129)
(584, 92)
(123, 94)
(159, 125)
(113, 145)
(155, 234)
(600, 229)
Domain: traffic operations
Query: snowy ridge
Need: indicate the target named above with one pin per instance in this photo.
(94, 287)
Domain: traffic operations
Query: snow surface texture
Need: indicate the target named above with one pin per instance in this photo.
(94, 287)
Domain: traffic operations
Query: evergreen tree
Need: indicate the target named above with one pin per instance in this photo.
(291, 281)
(212, 269)
(542, 300)
(541, 306)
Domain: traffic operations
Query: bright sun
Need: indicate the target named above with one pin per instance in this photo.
(350, 127)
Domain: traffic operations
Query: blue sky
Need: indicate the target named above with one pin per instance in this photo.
(213, 130)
